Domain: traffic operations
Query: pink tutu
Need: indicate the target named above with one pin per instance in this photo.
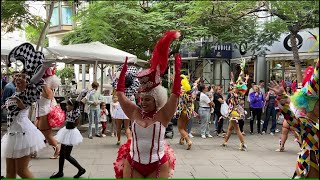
(124, 151)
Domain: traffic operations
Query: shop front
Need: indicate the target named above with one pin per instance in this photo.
(282, 67)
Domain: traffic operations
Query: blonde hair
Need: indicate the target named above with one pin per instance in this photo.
(256, 86)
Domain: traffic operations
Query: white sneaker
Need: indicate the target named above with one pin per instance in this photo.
(277, 130)
(209, 136)
(263, 132)
(272, 133)
(203, 136)
(190, 135)
(103, 135)
(112, 134)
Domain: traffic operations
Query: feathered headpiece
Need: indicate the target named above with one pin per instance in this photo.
(307, 97)
(49, 72)
(240, 84)
(185, 83)
(150, 78)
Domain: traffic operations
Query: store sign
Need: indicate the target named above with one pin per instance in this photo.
(223, 50)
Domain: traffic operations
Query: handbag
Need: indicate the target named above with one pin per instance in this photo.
(224, 109)
(56, 116)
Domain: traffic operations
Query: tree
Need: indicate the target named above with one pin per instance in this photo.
(14, 14)
(296, 15)
(33, 34)
(127, 25)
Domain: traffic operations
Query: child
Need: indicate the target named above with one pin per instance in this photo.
(113, 120)
(69, 136)
(119, 117)
(103, 117)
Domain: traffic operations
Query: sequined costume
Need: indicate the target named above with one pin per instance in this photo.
(308, 130)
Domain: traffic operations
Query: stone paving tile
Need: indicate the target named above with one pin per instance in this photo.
(225, 162)
(240, 175)
(208, 174)
(206, 169)
(240, 168)
(271, 175)
(182, 174)
(266, 168)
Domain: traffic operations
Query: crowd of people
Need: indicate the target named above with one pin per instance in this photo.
(140, 105)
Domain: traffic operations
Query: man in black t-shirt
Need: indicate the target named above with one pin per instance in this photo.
(218, 101)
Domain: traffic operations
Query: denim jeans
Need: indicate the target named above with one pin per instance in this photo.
(271, 111)
(205, 118)
(94, 117)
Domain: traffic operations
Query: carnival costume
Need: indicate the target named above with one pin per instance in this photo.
(22, 137)
(307, 129)
(70, 136)
(43, 104)
(147, 150)
(186, 101)
(236, 111)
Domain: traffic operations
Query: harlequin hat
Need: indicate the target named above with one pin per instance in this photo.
(240, 85)
(131, 82)
(31, 59)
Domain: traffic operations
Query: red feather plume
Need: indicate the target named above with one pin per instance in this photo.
(161, 51)
(307, 75)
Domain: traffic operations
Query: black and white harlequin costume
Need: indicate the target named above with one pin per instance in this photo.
(70, 135)
(131, 83)
(22, 137)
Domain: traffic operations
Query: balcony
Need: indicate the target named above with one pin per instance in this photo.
(61, 19)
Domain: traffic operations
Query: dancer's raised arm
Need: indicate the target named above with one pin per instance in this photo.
(171, 106)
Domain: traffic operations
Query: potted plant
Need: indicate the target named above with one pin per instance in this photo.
(64, 73)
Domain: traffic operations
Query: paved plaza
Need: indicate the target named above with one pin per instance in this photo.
(206, 159)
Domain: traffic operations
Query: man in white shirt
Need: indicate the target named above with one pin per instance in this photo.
(205, 105)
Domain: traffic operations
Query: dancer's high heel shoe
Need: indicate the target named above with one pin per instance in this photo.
(181, 141)
(189, 145)
(281, 149)
(56, 152)
(224, 144)
(243, 147)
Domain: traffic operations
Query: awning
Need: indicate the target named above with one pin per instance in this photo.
(288, 57)
(237, 60)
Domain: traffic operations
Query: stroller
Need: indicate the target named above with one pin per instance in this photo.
(169, 131)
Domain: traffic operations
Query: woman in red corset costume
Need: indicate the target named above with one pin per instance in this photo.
(146, 155)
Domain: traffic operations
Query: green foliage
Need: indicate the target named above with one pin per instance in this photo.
(14, 14)
(66, 72)
(129, 26)
(33, 34)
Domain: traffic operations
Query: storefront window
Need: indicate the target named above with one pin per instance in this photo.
(66, 15)
(285, 70)
(54, 21)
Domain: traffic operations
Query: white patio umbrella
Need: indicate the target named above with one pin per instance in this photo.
(90, 53)
(8, 44)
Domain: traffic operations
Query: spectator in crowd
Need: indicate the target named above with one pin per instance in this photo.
(204, 111)
(94, 102)
(10, 88)
(256, 105)
(271, 100)
(261, 86)
(218, 100)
